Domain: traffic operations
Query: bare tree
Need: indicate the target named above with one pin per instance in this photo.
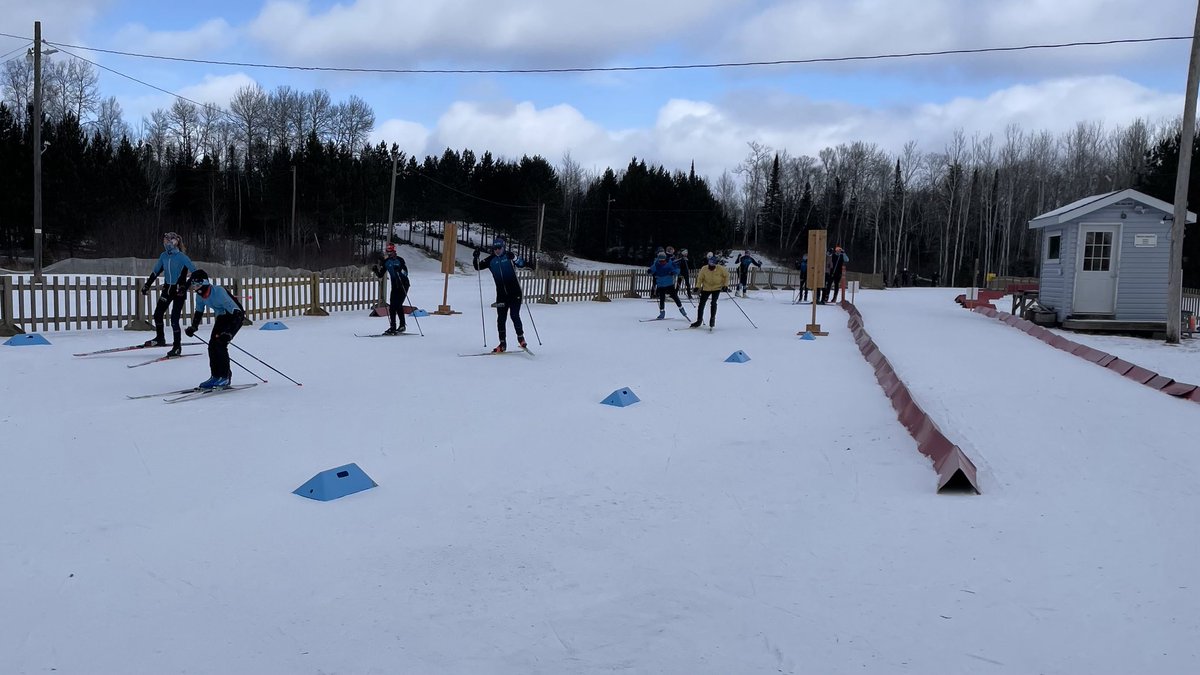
(17, 87)
(248, 109)
(284, 109)
(352, 121)
(317, 110)
(110, 122)
(184, 121)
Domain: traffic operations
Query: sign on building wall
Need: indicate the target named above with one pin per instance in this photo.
(1145, 240)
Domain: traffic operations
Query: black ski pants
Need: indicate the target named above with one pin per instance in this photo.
(170, 297)
(663, 292)
(510, 306)
(396, 305)
(224, 328)
(704, 296)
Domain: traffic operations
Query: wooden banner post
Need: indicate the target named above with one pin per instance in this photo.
(449, 243)
(816, 276)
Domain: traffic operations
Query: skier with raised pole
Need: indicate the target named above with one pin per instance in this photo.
(744, 261)
(503, 265)
(397, 271)
(174, 265)
(664, 272)
(229, 317)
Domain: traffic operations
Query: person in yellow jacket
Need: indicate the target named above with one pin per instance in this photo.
(711, 281)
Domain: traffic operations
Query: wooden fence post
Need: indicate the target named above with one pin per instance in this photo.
(546, 298)
(751, 285)
(314, 305)
(238, 285)
(7, 327)
(787, 282)
(600, 296)
(139, 321)
(632, 286)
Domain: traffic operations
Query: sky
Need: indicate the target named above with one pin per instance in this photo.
(672, 118)
(771, 516)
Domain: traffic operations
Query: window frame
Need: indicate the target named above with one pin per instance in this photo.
(1049, 237)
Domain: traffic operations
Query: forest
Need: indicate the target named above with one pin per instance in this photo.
(290, 177)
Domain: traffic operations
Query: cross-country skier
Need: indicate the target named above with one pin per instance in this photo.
(835, 263)
(229, 316)
(393, 266)
(664, 272)
(503, 265)
(685, 278)
(804, 278)
(711, 280)
(744, 261)
(174, 265)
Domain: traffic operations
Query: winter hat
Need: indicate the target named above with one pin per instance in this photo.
(499, 243)
(712, 260)
(391, 248)
(661, 256)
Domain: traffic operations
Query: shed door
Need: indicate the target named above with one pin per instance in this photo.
(1096, 273)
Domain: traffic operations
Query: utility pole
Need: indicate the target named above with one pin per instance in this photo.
(607, 207)
(37, 151)
(1175, 267)
(392, 198)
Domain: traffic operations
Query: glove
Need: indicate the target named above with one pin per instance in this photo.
(225, 337)
(475, 255)
(146, 288)
(520, 262)
(724, 289)
(181, 290)
(190, 331)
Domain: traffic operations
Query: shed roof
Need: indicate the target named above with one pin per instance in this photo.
(1086, 205)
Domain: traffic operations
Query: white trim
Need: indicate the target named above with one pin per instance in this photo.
(1082, 207)
(1114, 266)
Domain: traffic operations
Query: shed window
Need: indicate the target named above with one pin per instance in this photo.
(1053, 247)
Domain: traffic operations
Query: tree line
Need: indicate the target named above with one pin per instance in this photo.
(289, 177)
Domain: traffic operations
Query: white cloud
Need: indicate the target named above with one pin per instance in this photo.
(204, 40)
(837, 28)
(412, 138)
(62, 20)
(495, 32)
(218, 89)
(715, 135)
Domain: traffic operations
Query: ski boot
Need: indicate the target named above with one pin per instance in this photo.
(209, 383)
(521, 341)
(400, 330)
(175, 351)
(662, 314)
(500, 348)
(221, 383)
(155, 342)
(694, 324)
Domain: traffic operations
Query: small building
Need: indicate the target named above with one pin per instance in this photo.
(1104, 261)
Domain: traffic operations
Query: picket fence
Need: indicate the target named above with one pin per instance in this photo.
(86, 302)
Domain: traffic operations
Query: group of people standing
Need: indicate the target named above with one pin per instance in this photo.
(179, 276)
(835, 268)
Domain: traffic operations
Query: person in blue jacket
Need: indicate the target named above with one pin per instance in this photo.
(503, 265)
(803, 290)
(744, 261)
(664, 272)
(229, 317)
(397, 271)
(174, 265)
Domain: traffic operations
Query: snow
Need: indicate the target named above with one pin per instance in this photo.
(771, 516)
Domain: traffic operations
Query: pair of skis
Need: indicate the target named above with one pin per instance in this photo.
(193, 393)
(515, 351)
(159, 360)
(691, 327)
(115, 350)
(379, 335)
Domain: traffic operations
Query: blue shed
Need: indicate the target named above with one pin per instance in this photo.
(1104, 261)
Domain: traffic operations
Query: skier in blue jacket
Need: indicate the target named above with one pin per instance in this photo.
(744, 261)
(664, 272)
(397, 271)
(175, 266)
(229, 317)
(503, 265)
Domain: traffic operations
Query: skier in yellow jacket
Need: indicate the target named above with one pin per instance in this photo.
(711, 281)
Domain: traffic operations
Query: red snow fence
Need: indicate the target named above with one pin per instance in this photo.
(956, 472)
(1119, 366)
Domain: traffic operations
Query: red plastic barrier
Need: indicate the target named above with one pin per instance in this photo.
(954, 469)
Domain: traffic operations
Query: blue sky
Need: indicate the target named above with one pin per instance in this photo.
(673, 117)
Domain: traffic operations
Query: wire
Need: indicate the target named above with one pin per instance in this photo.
(5, 57)
(609, 69)
(468, 194)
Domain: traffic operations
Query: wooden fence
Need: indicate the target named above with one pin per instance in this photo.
(79, 302)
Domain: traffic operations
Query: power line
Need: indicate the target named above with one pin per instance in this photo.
(609, 69)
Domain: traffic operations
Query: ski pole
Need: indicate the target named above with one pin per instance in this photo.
(482, 324)
(414, 315)
(735, 304)
(265, 364)
(231, 360)
(535, 330)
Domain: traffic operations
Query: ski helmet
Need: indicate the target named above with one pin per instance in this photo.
(199, 278)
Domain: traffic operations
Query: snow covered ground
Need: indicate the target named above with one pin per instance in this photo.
(771, 516)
